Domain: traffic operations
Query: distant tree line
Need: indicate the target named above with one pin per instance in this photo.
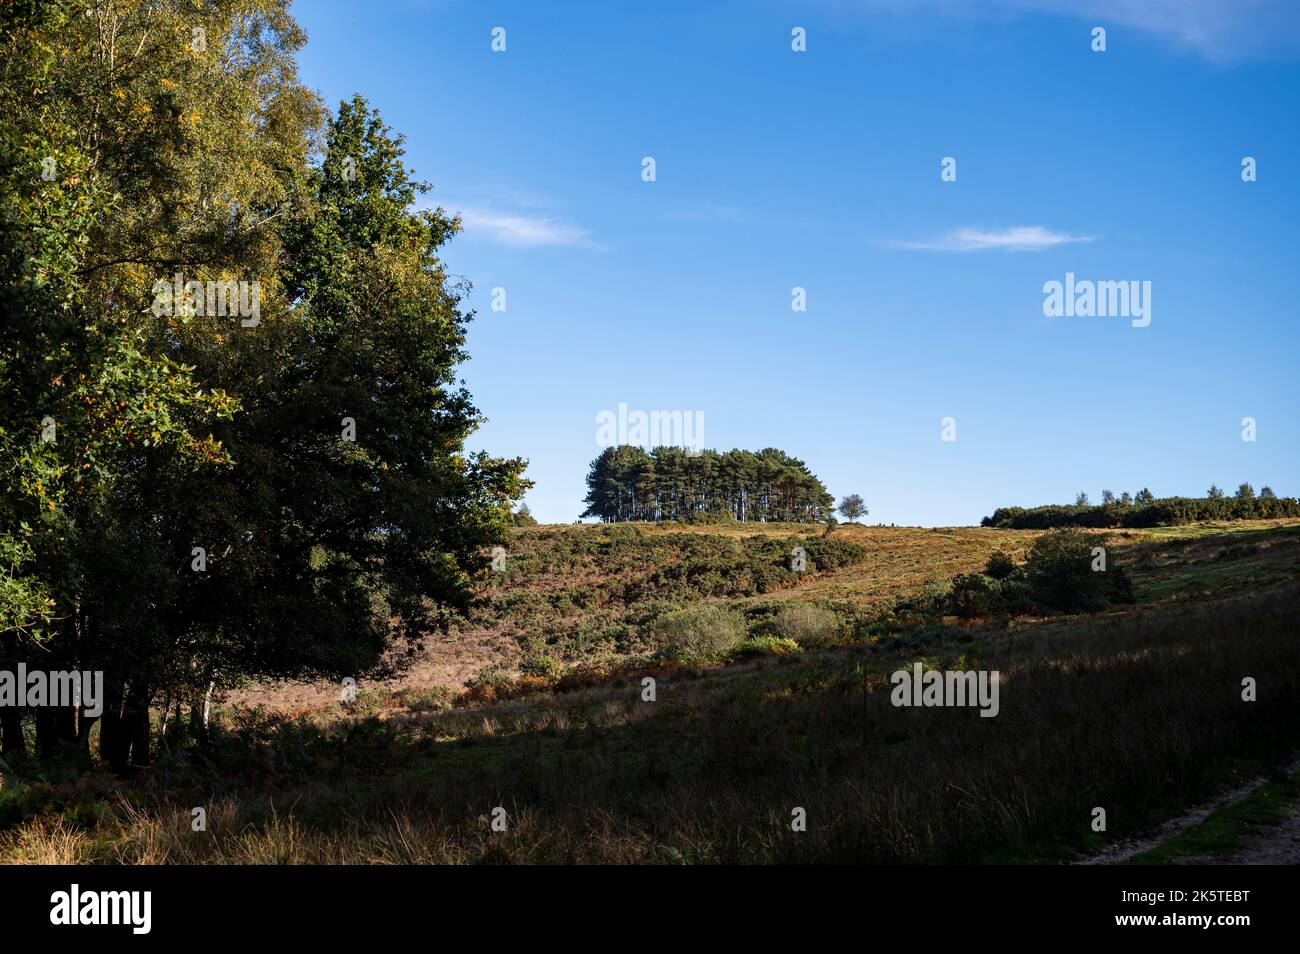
(1143, 509)
(670, 483)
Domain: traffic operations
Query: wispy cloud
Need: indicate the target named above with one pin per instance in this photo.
(1219, 30)
(522, 229)
(1024, 238)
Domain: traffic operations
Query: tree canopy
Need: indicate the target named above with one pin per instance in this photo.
(853, 507)
(191, 498)
(669, 483)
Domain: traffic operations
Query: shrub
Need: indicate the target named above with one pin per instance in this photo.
(1013, 593)
(808, 625)
(1000, 565)
(541, 664)
(1060, 574)
(975, 594)
(702, 633)
(932, 597)
(523, 517)
(496, 682)
(767, 646)
(830, 554)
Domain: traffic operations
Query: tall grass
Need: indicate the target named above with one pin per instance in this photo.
(1135, 713)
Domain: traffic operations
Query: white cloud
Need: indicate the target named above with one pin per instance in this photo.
(523, 230)
(1219, 30)
(1024, 238)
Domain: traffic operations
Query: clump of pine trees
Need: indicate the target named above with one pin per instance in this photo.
(671, 483)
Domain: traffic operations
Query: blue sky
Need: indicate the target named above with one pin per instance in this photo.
(821, 169)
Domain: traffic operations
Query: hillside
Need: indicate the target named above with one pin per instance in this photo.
(1137, 710)
(584, 594)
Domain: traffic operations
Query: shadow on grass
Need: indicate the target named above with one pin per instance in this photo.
(1138, 714)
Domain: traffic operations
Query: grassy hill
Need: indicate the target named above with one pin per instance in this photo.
(536, 705)
(575, 596)
(588, 594)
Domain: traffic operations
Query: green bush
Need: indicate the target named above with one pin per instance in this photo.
(808, 625)
(767, 646)
(523, 517)
(974, 594)
(703, 633)
(1060, 573)
(496, 677)
(999, 565)
(541, 664)
(433, 699)
(830, 554)
(932, 597)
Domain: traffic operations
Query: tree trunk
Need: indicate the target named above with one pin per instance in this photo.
(11, 733)
(114, 743)
(83, 731)
(47, 732)
(136, 716)
(207, 709)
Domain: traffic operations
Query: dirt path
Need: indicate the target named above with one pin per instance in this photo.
(1279, 845)
(1276, 846)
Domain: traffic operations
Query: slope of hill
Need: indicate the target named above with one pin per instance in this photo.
(781, 753)
(589, 594)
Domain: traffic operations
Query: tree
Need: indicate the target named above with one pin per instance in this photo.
(1107, 498)
(629, 483)
(1214, 493)
(288, 497)
(1245, 492)
(852, 508)
(1144, 497)
(351, 515)
(1266, 493)
(93, 414)
(1126, 499)
(1082, 499)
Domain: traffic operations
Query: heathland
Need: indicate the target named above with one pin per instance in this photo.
(768, 700)
(323, 634)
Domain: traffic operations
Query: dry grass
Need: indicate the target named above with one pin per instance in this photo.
(1163, 561)
(1137, 711)
(901, 560)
